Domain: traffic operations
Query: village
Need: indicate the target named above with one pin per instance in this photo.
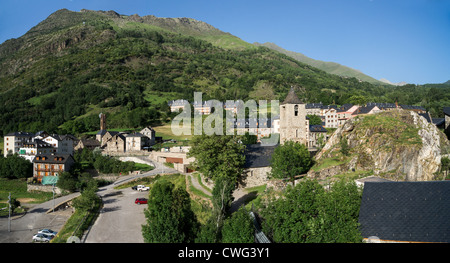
(52, 154)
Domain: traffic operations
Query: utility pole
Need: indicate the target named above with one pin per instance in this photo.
(9, 217)
(53, 190)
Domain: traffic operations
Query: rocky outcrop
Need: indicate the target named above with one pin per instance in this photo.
(399, 145)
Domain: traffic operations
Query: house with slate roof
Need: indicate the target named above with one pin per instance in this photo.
(51, 165)
(257, 164)
(406, 212)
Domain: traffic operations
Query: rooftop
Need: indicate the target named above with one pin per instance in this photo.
(406, 211)
(292, 98)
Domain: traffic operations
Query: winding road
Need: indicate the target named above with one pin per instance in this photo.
(120, 219)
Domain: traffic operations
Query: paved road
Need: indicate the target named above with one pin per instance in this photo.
(121, 220)
(25, 226)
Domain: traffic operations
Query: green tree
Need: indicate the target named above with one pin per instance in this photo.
(239, 228)
(218, 155)
(15, 167)
(88, 199)
(314, 120)
(340, 212)
(169, 215)
(345, 149)
(289, 160)
(307, 213)
(67, 181)
(14, 203)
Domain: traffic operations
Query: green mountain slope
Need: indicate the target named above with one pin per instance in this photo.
(330, 67)
(74, 65)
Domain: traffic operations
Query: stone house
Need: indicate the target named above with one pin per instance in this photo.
(87, 143)
(316, 132)
(135, 142)
(51, 165)
(257, 165)
(150, 133)
(116, 143)
(106, 136)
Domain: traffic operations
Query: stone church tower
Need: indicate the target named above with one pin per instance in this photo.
(293, 123)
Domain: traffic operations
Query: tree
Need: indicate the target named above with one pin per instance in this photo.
(307, 213)
(239, 228)
(314, 120)
(248, 138)
(289, 160)
(345, 149)
(218, 155)
(169, 215)
(88, 199)
(15, 167)
(14, 203)
(220, 158)
(67, 181)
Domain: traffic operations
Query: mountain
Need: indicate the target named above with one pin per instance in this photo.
(70, 67)
(395, 84)
(73, 65)
(329, 67)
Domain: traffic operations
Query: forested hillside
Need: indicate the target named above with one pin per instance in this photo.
(66, 70)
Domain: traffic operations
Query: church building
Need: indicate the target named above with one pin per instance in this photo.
(294, 125)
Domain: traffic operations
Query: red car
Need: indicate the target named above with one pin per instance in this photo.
(140, 201)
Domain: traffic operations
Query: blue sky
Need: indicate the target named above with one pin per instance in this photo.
(400, 40)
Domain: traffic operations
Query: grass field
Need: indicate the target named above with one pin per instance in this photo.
(18, 190)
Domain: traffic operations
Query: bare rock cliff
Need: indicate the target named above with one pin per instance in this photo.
(398, 145)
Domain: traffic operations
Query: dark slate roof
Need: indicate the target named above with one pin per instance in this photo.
(314, 105)
(20, 134)
(406, 211)
(52, 159)
(447, 111)
(382, 105)
(426, 116)
(412, 107)
(102, 132)
(291, 98)
(346, 107)
(257, 155)
(317, 128)
(438, 121)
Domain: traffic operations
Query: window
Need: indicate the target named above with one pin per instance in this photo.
(296, 110)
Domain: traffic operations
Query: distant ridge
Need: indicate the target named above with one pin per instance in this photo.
(395, 84)
(329, 67)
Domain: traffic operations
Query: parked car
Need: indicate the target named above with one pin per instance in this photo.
(41, 238)
(134, 187)
(48, 232)
(140, 201)
(141, 188)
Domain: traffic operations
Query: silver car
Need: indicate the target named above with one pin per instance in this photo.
(41, 238)
(47, 232)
